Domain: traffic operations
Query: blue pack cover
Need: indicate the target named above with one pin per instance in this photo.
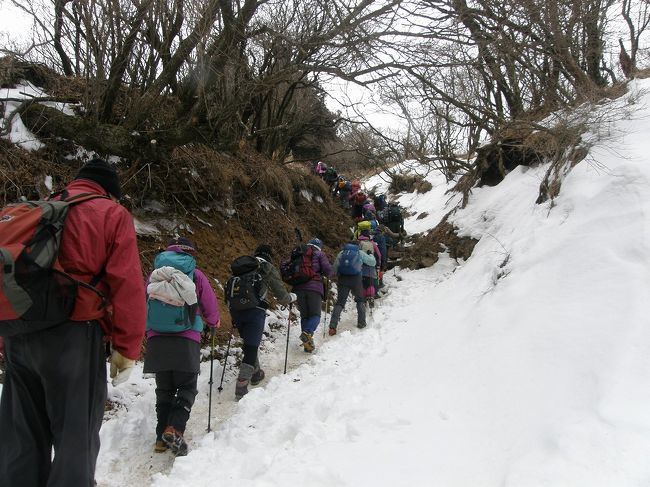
(167, 318)
(350, 261)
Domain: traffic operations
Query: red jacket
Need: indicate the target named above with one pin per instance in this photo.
(99, 234)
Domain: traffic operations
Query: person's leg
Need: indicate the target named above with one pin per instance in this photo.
(165, 394)
(26, 444)
(182, 405)
(313, 310)
(251, 357)
(342, 296)
(302, 303)
(250, 324)
(357, 291)
(72, 366)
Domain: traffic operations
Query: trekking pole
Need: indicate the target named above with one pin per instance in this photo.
(286, 353)
(214, 336)
(223, 372)
(327, 305)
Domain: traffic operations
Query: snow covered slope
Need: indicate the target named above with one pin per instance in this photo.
(527, 365)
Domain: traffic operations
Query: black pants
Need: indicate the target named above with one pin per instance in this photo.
(250, 325)
(53, 397)
(175, 394)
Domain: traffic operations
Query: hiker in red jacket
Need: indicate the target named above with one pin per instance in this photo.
(55, 384)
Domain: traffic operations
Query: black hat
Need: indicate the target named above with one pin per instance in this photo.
(102, 173)
(265, 252)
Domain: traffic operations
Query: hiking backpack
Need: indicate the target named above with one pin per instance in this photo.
(393, 214)
(350, 261)
(170, 312)
(244, 288)
(298, 269)
(35, 292)
(331, 174)
(367, 247)
(380, 202)
(360, 199)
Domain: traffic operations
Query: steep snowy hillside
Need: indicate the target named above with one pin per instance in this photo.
(526, 365)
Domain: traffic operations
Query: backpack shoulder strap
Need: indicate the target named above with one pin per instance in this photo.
(80, 198)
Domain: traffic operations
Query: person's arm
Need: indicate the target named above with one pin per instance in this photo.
(368, 259)
(325, 266)
(335, 267)
(127, 295)
(208, 301)
(273, 281)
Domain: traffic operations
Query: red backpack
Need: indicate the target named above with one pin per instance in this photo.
(35, 292)
(299, 269)
(360, 198)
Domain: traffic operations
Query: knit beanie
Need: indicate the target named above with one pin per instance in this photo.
(265, 252)
(181, 244)
(316, 242)
(102, 173)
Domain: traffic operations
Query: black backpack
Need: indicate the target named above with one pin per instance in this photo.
(244, 288)
(394, 214)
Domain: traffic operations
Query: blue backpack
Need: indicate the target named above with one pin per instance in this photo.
(350, 261)
(167, 318)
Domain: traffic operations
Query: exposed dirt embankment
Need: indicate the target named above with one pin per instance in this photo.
(425, 249)
(227, 203)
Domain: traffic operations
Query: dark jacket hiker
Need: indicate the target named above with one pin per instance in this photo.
(249, 319)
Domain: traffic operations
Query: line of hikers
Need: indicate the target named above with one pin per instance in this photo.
(58, 332)
(372, 207)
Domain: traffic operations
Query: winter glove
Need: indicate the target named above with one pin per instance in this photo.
(120, 368)
(292, 297)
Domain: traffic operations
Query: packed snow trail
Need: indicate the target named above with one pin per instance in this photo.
(127, 457)
(528, 365)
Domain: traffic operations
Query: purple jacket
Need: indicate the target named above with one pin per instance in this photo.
(208, 308)
(320, 265)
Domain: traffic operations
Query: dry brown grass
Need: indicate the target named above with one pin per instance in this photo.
(444, 237)
(22, 173)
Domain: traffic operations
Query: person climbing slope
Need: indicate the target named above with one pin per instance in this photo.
(55, 384)
(348, 266)
(180, 299)
(311, 293)
(249, 312)
(369, 272)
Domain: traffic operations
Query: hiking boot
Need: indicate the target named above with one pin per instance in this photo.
(175, 441)
(308, 344)
(361, 325)
(304, 337)
(160, 446)
(182, 449)
(257, 377)
(332, 331)
(245, 374)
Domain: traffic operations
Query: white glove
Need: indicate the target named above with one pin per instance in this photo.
(292, 297)
(120, 368)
